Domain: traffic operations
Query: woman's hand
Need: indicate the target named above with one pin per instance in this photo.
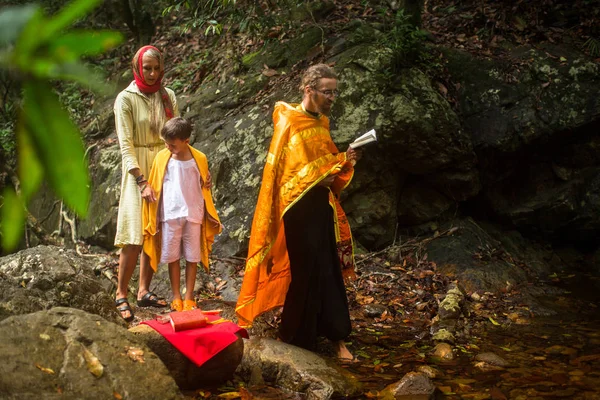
(209, 181)
(148, 194)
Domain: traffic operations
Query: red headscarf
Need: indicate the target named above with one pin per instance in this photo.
(138, 74)
(138, 71)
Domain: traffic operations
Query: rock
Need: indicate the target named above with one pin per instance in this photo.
(443, 335)
(44, 277)
(492, 359)
(295, 369)
(188, 375)
(429, 371)
(373, 310)
(65, 353)
(450, 307)
(411, 384)
(536, 126)
(443, 351)
(477, 258)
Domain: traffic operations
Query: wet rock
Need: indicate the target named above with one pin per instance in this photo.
(443, 351)
(43, 277)
(562, 350)
(295, 369)
(188, 375)
(71, 354)
(373, 310)
(429, 371)
(450, 307)
(492, 359)
(411, 384)
(443, 335)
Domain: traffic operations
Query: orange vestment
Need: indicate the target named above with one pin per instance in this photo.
(301, 154)
(211, 225)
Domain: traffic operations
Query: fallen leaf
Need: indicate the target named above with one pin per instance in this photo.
(230, 395)
(493, 321)
(117, 396)
(93, 363)
(136, 354)
(43, 369)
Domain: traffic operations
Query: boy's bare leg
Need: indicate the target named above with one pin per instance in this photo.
(342, 351)
(191, 269)
(146, 274)
(175, 277)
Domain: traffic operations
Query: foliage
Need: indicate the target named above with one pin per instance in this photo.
(251, 16)
(37, 50)
(592, 46)
(405, 40)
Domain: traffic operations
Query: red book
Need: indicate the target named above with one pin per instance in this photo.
(182, 320)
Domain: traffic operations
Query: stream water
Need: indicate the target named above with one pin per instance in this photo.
(555, 356)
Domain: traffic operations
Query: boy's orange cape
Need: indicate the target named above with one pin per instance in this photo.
(301, 155)
(211, 225)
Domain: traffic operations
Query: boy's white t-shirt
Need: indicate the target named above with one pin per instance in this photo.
(182, 192)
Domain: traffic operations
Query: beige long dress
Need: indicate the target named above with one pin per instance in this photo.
(139, 146)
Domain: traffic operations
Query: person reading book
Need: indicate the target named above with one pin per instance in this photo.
(300, 246)
(183, 221)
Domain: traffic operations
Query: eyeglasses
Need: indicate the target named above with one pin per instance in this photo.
(328, 93)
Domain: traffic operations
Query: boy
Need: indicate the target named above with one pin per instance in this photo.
(183, 219)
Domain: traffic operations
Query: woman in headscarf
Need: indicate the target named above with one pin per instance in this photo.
(141, 110)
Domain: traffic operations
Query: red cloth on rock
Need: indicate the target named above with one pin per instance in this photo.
(200, 344)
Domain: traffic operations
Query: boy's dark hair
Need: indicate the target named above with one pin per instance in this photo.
(176, 128)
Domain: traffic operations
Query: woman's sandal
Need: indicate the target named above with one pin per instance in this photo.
(189, 305)
(177, 305)
(150, 299)
(123, 306)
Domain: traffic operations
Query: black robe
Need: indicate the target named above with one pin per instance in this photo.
(316, 302)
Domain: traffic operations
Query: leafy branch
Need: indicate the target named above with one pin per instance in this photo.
(35, 51)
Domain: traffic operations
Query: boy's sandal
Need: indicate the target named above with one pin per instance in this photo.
(177, 305)
(123, 306)
(189, 305)
(150, 299)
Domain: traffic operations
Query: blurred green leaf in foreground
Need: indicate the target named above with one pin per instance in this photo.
(37, 50)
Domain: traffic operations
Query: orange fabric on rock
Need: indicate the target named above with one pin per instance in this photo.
(301, 155)
(211, 225)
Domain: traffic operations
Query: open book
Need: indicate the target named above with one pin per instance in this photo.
(364, 139)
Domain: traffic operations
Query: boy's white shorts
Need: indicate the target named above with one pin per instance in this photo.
(180, 236)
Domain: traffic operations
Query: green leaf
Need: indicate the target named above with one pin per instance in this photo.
(13, 20)
(13, 218)
(29, 39)
(58, 143)
(67, 16)
(493, 321)
(29, 168)
(74, 44)
(79, 73)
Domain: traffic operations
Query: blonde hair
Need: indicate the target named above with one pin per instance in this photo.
(316, 72)
(157, 109)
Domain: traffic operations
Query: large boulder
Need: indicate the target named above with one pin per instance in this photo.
(533, 125)
(65, 353)
(44, 277)
(519, 145)
(295, 369)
